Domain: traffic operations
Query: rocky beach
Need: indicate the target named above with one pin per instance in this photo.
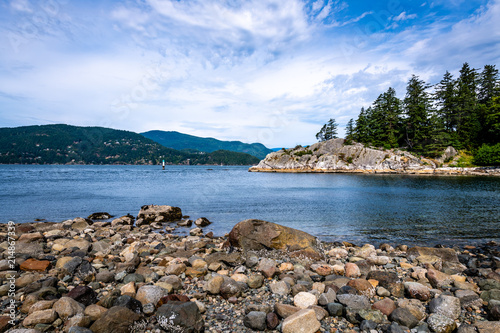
(160, 271)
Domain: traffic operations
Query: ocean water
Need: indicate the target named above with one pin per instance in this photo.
(335, 207)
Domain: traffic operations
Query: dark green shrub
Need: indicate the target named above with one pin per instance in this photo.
(488, 155)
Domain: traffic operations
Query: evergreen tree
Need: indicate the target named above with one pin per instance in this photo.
(387, 121)
(445, 97)
(417, 106)
(488, 89)
(349, 130)
(328, 131)
(468, 125)
(488, 84)
(493, 121)
(361, 130)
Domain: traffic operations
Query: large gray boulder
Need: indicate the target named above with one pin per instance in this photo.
(263, 235)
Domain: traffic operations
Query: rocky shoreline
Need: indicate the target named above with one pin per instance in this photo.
(429, 172)
(335, 156)
(133, 274)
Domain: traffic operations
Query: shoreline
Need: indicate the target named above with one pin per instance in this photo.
(87, 274)
(479, 171)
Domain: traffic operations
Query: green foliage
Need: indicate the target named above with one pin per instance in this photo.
(417, 107)
(349, 130)
(464, 161)
(488, 155)
(328, 131)
(463, 113)
(63, 144)
(303, 152)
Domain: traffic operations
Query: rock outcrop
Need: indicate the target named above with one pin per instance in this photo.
(336, 156)
(262, 235)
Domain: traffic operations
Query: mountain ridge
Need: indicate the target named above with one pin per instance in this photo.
(180, 141)
(67, 144)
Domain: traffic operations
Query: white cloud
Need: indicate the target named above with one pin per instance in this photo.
(404, 17)
(257, 70)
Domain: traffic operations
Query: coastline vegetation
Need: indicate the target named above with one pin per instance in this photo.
(462, 112)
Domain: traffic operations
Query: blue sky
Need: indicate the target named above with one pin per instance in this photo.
(257, 71)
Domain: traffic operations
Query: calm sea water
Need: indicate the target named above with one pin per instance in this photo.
(358, 208)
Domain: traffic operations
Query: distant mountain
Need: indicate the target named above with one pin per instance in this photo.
(182, 141)
(65, 144)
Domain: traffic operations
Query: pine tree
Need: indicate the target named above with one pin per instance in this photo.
(387, 121)
(489, 88)
(488, 84)
(445, 97)
(468, 125)
(349, 130)
(328, 131)
(361, 130)
(417, 107)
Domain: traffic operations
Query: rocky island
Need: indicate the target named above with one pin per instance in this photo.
(336, 156)
(139, 274)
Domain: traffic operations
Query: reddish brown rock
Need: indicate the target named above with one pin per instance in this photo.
(438, 279)
(352, 270)
(260, 235)
(33, 265)
(386, 306)
(322, 270)
(362, 286)
(285, 310)
(418, 291)
(4, 323)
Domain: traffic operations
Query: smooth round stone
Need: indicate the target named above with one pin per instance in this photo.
(304, 299)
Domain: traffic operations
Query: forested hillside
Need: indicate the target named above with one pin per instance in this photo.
(182, 141)
(63, 144)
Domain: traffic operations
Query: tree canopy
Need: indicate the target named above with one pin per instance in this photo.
(462, 112)
(328, 131)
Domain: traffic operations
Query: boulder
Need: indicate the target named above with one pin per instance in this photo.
(418, 291)
(256, 320)
(260, 235)
(84, 295)
(441, 324)
(448, 306)
(448, 256)
(67, 307)
(303, 321)
(404, 317)
(285, 310)
(202, 222)
(150, 294)
(180, 317)
(116, 320)
(40, 317)
(156, 213)
(304, 299)
(99, 216)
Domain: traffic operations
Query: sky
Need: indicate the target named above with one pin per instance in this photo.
(268, 71)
